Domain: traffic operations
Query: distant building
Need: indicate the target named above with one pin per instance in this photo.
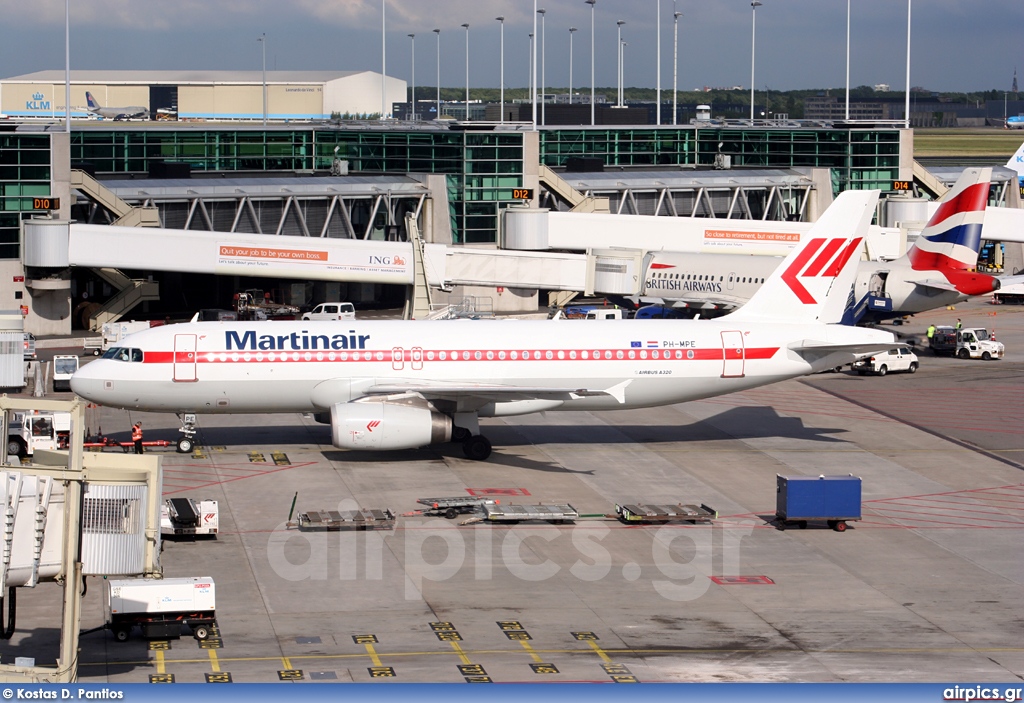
(881, 87)
(204, 95)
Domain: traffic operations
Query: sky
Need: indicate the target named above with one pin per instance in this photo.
(956, 45)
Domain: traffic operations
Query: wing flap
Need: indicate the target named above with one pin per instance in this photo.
(493, 393)
(936, 284)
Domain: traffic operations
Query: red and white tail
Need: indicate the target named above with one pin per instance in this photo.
(952, 238)
(815, 282)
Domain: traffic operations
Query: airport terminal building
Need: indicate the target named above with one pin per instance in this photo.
(204, 95)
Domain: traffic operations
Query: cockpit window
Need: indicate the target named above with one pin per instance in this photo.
(124, 354)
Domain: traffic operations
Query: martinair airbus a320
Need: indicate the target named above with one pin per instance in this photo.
(403, 384)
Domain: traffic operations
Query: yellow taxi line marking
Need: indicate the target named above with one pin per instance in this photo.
(214, 661)
(531, 650)
(161, 667)
(461, 653)
(373, 654)
(287, 663)
(914, 650)
(600, 652)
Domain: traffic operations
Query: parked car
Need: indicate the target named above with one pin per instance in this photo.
(896, 359)
(331, 311)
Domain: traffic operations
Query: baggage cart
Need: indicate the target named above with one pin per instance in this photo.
(834, 500)
(557, 513)
(645, 514)
(334, 520)
(454, 506)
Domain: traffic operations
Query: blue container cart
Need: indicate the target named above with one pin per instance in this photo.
(834, 500)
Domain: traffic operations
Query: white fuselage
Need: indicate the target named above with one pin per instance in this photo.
(730, 280)
(258, 367)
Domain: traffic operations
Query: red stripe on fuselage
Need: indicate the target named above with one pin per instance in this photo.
(433, 356)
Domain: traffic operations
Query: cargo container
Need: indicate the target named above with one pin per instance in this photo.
(161, 606)
(834, 500)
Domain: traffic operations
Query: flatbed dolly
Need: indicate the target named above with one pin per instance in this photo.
(454, 506)
(644, 514)
(557, 513)
(335, 520)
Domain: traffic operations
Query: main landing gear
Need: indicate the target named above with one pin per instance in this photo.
(466, 430)
(188, 428)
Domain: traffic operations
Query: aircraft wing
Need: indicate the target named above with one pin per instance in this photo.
(821, 347)
(937, 284)
(1005, 281)
(492, 393)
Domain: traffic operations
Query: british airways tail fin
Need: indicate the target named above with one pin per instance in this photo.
(952, 238)
(815, 282)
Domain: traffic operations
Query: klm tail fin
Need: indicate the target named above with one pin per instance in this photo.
(814, 283)
(1016, 163)
(952, 238)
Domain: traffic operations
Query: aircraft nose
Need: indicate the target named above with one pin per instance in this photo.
(87, 384)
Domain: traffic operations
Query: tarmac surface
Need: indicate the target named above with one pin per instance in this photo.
(928, 586)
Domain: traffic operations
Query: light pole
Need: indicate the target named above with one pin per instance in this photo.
(753, 36)
(437, 115)
(592, 89)
(906, 108)
(533, 67)
(572, 30)
(619, 45)
(502, 62)
(675, 64)
(67, 66)
(543, 66)
(466, 26)
(412, 95)
(262, 39)
(847, 59)
(383, 61)
(657, 26)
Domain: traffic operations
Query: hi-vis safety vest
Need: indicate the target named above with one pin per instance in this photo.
(136, 433)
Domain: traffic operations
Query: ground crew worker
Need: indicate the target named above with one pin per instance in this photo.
(931, 332)
(137, 437)
(959, 325)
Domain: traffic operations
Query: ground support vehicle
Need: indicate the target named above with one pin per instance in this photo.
(1010, 294)
(834, 500)
(64, 367)
(978, 343)
(159, 607)
(331, 311)
(644, 514)
(184, 516)
(334, 520)
(557, 513)
(896, 359)
(38, 429)
(454, 506)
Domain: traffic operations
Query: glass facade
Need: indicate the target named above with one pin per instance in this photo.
(24, 174)
(481, 167)
(859, 159)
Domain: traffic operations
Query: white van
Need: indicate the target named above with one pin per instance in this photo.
(896, 359)
(331, 311)
(64, 368)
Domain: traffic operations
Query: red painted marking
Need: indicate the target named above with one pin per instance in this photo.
(841, 260)
(497, 491)
(790, 274)
(972, 199)
(662, 266)
(743, 580)
(372, 424)
(464, 355)
(823, 258)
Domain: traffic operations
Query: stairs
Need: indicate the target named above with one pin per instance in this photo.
(560, 187)
(125, 214)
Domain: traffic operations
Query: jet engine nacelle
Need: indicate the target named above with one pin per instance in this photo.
(387, 426)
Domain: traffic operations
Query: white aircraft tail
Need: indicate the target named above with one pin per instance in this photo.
(815, 282)
(1016, 163)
